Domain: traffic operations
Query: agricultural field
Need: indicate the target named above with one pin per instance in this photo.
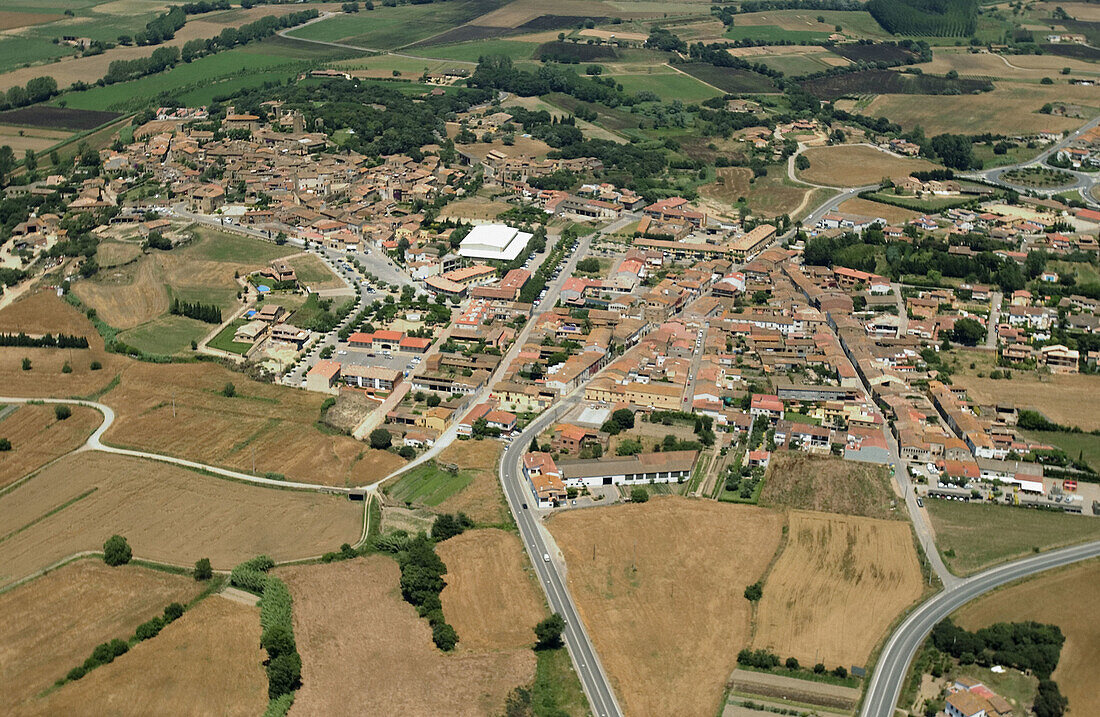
(974, 536)
(867, 208)
(836, 588)
(1083, 445)
(890, 82)
(669, 86)
(832, 485)
(492, 597)
(729, 79)
(482, 499)
(362, 644)
(1011, 108)
(1062, 398)
(1038, 177)
(1004, 67)
(314, 273)
(38, 437)
(774, 33)
(49, 625)
(809, 61)
(627, 564)
(1031, 600)
(207, 661)
(42, 312)
(79, 501)
(387, 28)
(776, 194)
(854, 24)
(472, 51)
(427, 484)
(20, 139)
(45, 116)
(856, 165)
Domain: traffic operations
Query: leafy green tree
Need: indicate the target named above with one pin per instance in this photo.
(1049, 701)
(62, 412)
(116, 551)
(624, 417)
(968, 332)
(278, 640)
(380, 439)
(754, 592)
(203, 570)
(444, 636)
(284, 674)
(5, 444)
(639, 495)
(548, 632)
(229, 391)
(172, 612)
(629, 447)
(448, 525)
(26, 364)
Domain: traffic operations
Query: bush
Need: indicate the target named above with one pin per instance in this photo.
(548, 632)
(149, 629)
(754, 592)
(1049, 701)
(26, 364)
(76, 673)
(95, 366)
(116, 551)
(172, 612)
(5, 444)
(62, 412)
(791, 663)
(448, 526)
(380, 439)
(760, 659)
(639, 495)
(444, 636)
(278, 640)
(203, 570)
(840, 672)
(819, 668)
(229, 391)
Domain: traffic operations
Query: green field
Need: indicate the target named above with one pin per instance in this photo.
(17, 51)
(669, 86)
(166, 335)
(774, 33)
(88, 19)
(211, 74)
(471, 51)
(981, 535)
(796, 65)
(387, 28)
(224, 340)
(428, 484)
(215, 245)
(1076, 445)
(920, 205)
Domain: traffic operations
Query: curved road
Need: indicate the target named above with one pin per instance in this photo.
(893, 664)
(95, 444)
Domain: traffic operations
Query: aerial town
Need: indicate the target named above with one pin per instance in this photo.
(475, 357)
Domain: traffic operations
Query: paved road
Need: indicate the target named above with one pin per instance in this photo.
(994, 319)
(539, 543)
(95, 444)
(890, 672)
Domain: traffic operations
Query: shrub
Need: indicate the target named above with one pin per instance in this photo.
(5, 444)
(116, 551)
(95, 366)
(149, 629)
(549, 632)
(754, 592)
(448, 526)
(203, 570)
(444, 636)
(62, 412)
(791, 663)
(819, 668)
(76, 673)
(172, 612)
(840, 672)
(639, 495)
(26, 364)
(66, 368)
(229, 391)
(284, 674)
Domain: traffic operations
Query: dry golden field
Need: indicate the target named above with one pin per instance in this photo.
(20, 139)
(112, 253)
(126, 296)
(667, 632)
(1068, 399)
(49, 625)
(361, 644)
(482, 499)
(207, 662)
(1022, 67)
(42, 312)
(10, 20)
(490, 598)
(1067, 598)
(856, 165)
(168, 514)
(867, 208)
(37, 437)
(839, 583)
(832, 485)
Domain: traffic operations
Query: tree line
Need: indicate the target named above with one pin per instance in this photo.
(61, 341)
(209, 313)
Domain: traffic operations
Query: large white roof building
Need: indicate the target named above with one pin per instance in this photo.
(494, 241)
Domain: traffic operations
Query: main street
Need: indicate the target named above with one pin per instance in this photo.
(890, 672)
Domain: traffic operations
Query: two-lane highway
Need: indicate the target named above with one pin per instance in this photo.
(893, 665)
(587, 664)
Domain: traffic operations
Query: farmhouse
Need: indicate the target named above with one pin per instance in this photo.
(323, 376)
(665, 467)
(494, 241)
(544, 478)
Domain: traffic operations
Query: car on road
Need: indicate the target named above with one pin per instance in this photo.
(525, 506)
(546, 557)
(920, 502)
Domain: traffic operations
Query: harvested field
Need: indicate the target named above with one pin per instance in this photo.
(491, 597)
(42, 312)
(474, 208)
(1031, 600)
(80, 501)
(209, 661)
(362, 644)
(856, 165)
(877, 52)
(20, 139)
(50, 625)
(314, 273)
(1062, 398)
(126, 296)
(1011, 108)
(10, 20)
(797, 480)
(273, 423)
(113, 253)
(1016, 67)
(482, 499)
(836, 588)
(669, 632)
(732, 184)
(774, 195)
(49, 117)
(37, 437)
(973, 536)
(867, 208)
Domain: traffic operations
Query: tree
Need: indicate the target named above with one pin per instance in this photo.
(26, 364)
(589, 265)
(380, 439)
(624, 417)
(5, 444)
(116, 551)
(30, 163)
(548, 632)
(967, 332)
(229, 391)
(792, 663)
(1049, 701)
(448, 526)
(62, 412)
(172, 612)
(284, 674)
(954, 150)
(444, 636)
(819, 668)
(840, 671)
(278, 639)
(639, 495)
(754, 592)
(434, 400)
(203, 570)
(802, 162)
(629, 447)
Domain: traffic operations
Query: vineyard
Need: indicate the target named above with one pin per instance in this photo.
(888, 82)
(930, 18)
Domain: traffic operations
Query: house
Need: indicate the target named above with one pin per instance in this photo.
(966, 704)
(1059, 359)
(766, 405)
(544, 479)
(251, 332)
(375, 378)
(569, 438)
(502, 420)
(323, 377)
(759, 459)
(664, 467)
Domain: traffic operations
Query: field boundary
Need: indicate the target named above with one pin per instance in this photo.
(784, 540)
